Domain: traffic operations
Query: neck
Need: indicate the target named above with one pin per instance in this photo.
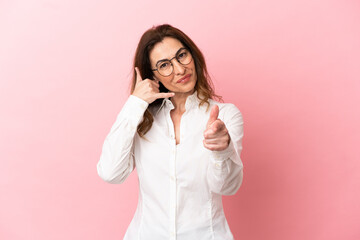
(179, 101)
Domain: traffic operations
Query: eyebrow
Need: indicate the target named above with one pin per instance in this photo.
(165, 59)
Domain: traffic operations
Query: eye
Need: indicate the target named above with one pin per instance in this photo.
(164, 65)
(182, 54)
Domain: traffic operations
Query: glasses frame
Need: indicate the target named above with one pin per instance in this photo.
(176, 57)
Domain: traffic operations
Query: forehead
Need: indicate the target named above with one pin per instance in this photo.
(165, 49)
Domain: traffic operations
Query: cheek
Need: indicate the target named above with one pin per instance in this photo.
(165, 80)
(166, 84)
(160, 79)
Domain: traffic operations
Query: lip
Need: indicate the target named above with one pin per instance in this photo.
(184, 79)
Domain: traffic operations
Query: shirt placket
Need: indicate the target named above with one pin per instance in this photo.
(173, 188)
(172, 174)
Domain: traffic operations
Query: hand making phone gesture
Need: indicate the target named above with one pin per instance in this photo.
(147, 89)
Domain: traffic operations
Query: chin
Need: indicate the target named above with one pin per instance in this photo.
(187, 89)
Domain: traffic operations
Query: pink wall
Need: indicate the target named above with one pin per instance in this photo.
(292, 68)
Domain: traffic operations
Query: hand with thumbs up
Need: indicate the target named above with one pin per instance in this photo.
(216, 136)
(147, 89)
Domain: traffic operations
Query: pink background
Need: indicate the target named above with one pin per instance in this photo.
(291, 67)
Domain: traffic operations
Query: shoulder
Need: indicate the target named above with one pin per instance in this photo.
(156, 107)
(227, 111)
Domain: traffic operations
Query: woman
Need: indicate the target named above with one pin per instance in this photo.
(185, 145)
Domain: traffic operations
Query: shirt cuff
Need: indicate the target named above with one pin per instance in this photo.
(134, 107)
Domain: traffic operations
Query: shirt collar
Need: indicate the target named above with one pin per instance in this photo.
(191, 102)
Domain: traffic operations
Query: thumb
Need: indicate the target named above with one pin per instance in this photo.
(214, 114)
(138, 75)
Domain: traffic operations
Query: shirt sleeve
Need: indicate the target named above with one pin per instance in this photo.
(117, 156)
(225, 171)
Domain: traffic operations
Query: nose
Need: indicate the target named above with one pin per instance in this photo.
(179, 69)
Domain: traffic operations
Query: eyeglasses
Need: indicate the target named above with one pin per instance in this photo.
(165, 67)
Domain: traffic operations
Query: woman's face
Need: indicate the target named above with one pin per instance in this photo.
(183, 78)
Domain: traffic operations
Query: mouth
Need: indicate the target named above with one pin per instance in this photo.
(184, 79)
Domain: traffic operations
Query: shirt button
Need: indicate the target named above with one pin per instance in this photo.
(217, 165)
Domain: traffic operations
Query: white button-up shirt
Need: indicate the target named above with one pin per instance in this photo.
(180, 186)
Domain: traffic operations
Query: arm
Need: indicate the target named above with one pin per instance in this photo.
(225, 171)
(117, 157)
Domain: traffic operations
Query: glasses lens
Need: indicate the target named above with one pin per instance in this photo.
(165, 68)
(184, 57)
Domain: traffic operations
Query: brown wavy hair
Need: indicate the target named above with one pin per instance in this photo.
(154, 35)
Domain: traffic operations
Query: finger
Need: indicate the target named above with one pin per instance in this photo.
(217, 125)
(138, 75)
(215, 133)
(213, 147)
(155, 89)
(214, 113)
(156, 83)
(164, 95)
(212, 141)
(151, 83)
(209, 133)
